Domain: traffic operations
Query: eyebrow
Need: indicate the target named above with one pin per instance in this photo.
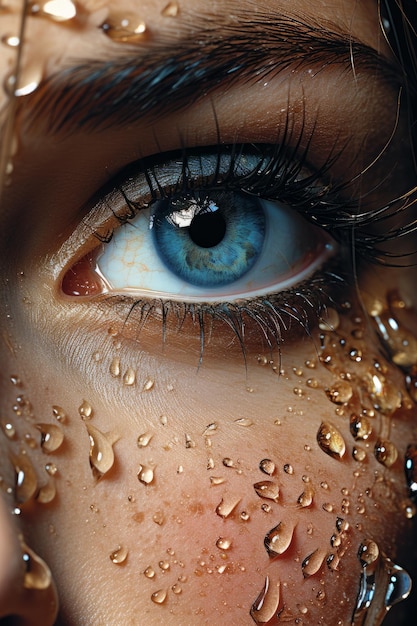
(97, 94)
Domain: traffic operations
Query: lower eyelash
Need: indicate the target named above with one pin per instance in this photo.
(270, 320)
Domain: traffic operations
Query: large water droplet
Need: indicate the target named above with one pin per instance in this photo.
(119, 555)
(330, 440)
(410, 467)
(52, 437)
(312, 563)
(37, 573)
(227, 505)
(386, 395)
(101, 451)
(125, 28)
(26, 479)
(266, 604)
(278, 539)
(267, 489)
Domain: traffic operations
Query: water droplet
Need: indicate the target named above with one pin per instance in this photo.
(306, 498)
(52, 437)
(144, 439)
(115, 369)
(159, 597)
(51, 469)
(15, 380)
(267, 489)
(159, 518)
(146, 474)
(341, 525)
(164, 565)
(330, 320)
(359, 454)
(170, 10)
(278, 539)
(47, 492)
(340, 392)
(288, 469)
(59, 414)
(266, 604)
(330, 440)
(125, 28)
(26, 480)
(37, 574)
(244, 421)
(56, 10)
(368, 552)
(217, 480)
(328, 507)
(387, 396)
(355, 355)
(228, 462)
(149, 384)
(12, 41)
(119, 555)
(266, 508)
(149, 572)
(28, 81)
(101, 451)
(267, 466)
(223, 543)
(9, 430)
(176, 588)
(312, 383)
(244, 516)
(226, 506)
(311, 364)
(85, 410)
(410, 467)
(385, 452)
(129, 377)
(360, 426)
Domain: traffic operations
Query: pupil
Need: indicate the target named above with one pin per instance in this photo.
(208, 229)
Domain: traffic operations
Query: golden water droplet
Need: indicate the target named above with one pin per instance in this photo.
(115, 369)
(144, 439)
(330, 320)
(267, 466)
(149, 572)
(267, 489)
(149, 384)
(170, 10)
(37, 574)
(164, 565)
(51, 469)
(159, 596)
(9, 430)
(328, 507)
(29, 79)
(119, 555)
(306, 498)
(52, 437)
(125, 28)
(244, 421)
(368, 552)
(266, 604)
(385, 452)
(312, 563)
(228, 462)
(359, 454)
(176, 588)
(26, 480)
(244, 516)
(340, 392)
(85, 410)
(330, 440)
(145, 474)
(288, 469)
(129, 377)
(101, 451)
(312, 383)
(278, 539)
(387, 396)
(158, 518)
(360, 426)
(55, 10)
(59, 414)
(217, 480)
(223, 543)
(226, 506)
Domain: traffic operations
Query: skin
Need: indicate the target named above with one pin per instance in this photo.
(210, 425)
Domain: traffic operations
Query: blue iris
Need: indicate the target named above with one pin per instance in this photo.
(209, 240)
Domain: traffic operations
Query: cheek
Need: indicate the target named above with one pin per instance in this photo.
(237, 493)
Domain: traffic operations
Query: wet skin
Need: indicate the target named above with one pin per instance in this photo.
(160, 482)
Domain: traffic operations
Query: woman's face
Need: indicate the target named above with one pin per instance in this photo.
(212, 418)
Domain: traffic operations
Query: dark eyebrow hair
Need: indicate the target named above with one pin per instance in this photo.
(167, 76)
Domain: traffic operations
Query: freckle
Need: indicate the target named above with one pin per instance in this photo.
(115, 367)
(85, 410)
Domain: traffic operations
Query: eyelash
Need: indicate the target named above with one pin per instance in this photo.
(276, 177)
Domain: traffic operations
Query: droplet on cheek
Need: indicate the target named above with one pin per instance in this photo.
(330, 440)
(266, 604)
(119, 556)
(312, 563)
(52, 437)
(101, 451)
(267, 489)
(278, 539)
(26, 479)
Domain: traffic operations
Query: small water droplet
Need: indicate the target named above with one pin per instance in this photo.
(15, 380)
(385, 452)
(410, 468)
(267, 466)
(244, 516)
(267, 489)
(226, 506)
(26, 482)
(312, 383)
(51, 469)
(149, 572)
(266, 604)
(101, 451)
(227, 462)
(119, 555)
(224, 543)
(164, 565)
(330, 440)
(146, 474)
(159, 518)
(244, 421)
(328, 507)
(360, 427)
(171, 9)
(115, 369)
(159, 597)
(52, 437)
(148, 385)
(176, 588)
(330, 320)
(12, 41)
(9, 430)
(217, 480)
(85, 410)
(266, 508)
(28, 81)
(125, 28)
(288, 469)
(59, 414)
(340, 392)
(306, 498)
(278, 539)
(129, 377)
(144, 439)
(359, 454)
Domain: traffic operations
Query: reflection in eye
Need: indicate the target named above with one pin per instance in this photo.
(208, 235)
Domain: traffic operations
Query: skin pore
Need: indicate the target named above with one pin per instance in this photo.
(177, 462)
